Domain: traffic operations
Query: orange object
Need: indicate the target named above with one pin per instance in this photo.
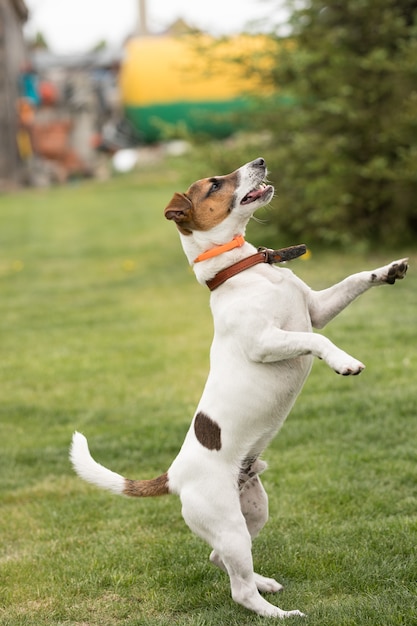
(48, 93)
(26, 111)
(236, 242)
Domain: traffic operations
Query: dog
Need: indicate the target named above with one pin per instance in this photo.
(261, 355)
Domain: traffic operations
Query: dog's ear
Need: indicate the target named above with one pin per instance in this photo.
(179, 208)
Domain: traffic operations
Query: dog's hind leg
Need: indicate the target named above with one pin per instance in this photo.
(253, 497)
(254, 506)
(218, 519)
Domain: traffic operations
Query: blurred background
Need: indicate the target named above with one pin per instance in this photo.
(326, 91)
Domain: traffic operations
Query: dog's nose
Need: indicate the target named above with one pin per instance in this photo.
(258, 162)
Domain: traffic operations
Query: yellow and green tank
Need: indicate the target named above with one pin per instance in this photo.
(167, 82)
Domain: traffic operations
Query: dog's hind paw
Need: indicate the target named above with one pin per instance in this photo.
(252, 600)
(280, 614)
(267, 585)
(292, 613)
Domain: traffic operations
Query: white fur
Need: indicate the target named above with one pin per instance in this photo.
(91, 471)
(261, 355)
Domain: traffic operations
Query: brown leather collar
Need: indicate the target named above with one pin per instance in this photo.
(264, 255)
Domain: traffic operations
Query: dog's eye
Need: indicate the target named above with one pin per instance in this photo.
(215, 185)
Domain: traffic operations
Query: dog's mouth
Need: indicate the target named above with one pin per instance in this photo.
(260, 192)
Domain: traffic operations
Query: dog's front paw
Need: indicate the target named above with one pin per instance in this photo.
(346, 365)
(390, 273)
(351, 368)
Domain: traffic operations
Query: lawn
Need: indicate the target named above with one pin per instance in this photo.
(105, 330)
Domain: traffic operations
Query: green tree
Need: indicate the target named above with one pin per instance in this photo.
(39, 42)
(343, 120)
(346, 148)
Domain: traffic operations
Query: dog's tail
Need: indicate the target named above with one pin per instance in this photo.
(91, 471)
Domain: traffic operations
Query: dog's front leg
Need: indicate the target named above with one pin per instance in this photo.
(274, 345)
(325, 305)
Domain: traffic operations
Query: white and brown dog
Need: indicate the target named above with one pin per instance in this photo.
(262, 352)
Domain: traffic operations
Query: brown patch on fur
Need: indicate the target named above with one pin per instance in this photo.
(207, 432)
(202, 207)
(147, 488)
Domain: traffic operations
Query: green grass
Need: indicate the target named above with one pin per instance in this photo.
(104, 329)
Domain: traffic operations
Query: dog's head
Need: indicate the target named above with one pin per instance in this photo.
(212, 201)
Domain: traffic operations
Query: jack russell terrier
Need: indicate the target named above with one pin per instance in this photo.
(261, 355)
